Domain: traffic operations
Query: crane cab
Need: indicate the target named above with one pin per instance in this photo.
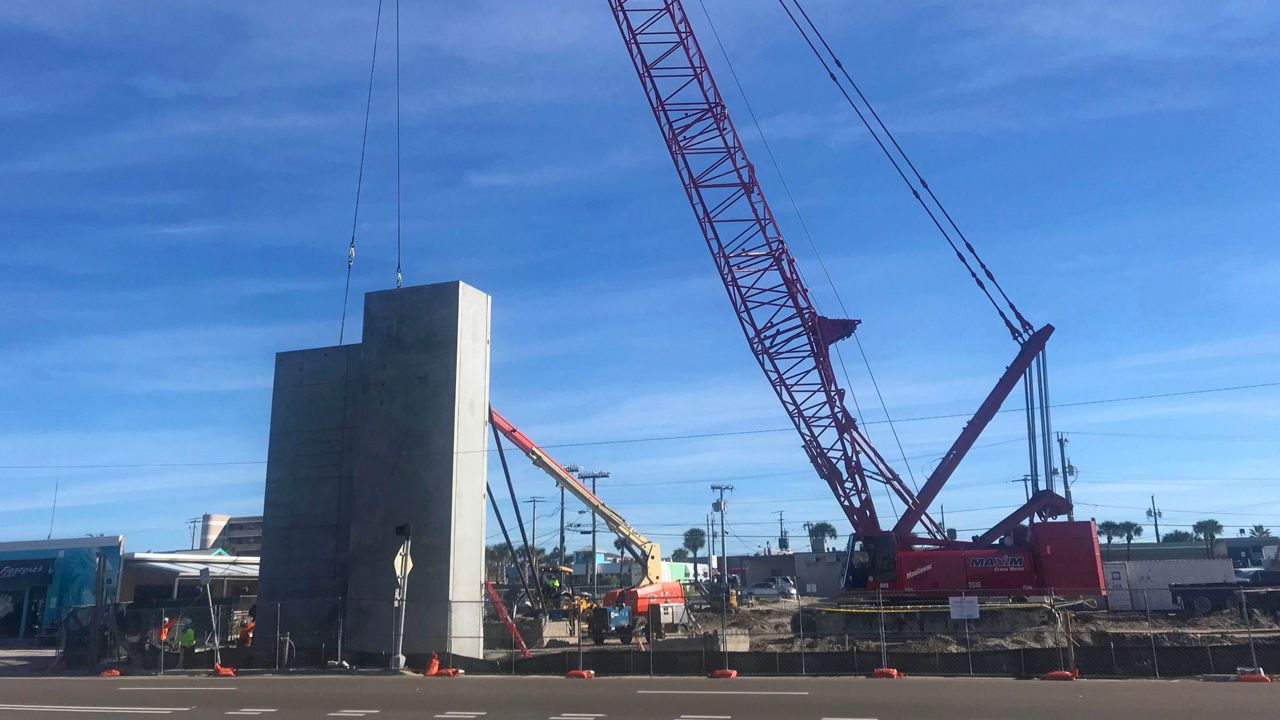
(872, 562)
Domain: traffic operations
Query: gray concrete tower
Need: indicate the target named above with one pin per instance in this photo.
(400, 438)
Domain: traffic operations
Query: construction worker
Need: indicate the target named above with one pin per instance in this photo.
(187, 641)
(165, 626)
(552, 586)
(246, 631)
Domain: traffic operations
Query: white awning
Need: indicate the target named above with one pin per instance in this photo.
(192, 569)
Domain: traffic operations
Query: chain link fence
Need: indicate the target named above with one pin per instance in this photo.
(1157, 634)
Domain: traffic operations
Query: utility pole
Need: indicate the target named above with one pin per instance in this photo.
(562, 525)
(1155, 514)
(784, 542)
(711, 545)
(572, 469)
(1067, 472)
(533, 543)
(719, 506)
(593, 475)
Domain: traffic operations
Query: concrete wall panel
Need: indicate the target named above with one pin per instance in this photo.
(366, 437)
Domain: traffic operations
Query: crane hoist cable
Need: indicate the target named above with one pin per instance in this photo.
(1023, 328)
(1025, 324)
(813, 245)
(364, 143)
(399, 274)
(1039, 423)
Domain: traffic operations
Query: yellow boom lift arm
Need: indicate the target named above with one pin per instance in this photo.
(646, 552)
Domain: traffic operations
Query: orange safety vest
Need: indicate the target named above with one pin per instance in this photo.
(246, 634)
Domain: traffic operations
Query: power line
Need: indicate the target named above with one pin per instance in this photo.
(693, 436)
(103, 466)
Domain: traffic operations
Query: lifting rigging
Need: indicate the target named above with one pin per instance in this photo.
(792, 341)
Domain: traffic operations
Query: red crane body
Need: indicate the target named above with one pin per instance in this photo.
(791, 340)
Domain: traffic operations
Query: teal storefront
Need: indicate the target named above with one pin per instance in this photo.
(40, 580)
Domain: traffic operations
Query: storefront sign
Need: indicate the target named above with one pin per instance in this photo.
(20, 573)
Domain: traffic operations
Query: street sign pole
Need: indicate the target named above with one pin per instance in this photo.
(403, 565)
(207, 581)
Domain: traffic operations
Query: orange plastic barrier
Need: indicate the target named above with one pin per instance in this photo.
(888, 673)
(581, 674)
(724, 674)
(1061, 675)
(1253, 677)
(434, 669)
(109, 673)
(220, 671)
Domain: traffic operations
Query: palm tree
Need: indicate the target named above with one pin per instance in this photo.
(679, 555)
(694, 540)
(1209, 530)
(1128, 530)
(497, 559)
(819, 534)
(1178, 536)
(1108, 530)
(1259, 531)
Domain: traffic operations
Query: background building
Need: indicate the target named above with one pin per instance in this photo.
(40, 580)
(237, 535)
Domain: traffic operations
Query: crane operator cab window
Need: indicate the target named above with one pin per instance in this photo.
(871, 559)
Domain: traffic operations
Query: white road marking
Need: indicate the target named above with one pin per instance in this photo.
(259, 710)
(831, 718)
(576, 716)
(174, 687)
(706, 717)
(345, 714)
(722, 692)
(461, 714)
(93, 709)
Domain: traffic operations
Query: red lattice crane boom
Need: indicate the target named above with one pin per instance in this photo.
(791, 341)
(787, 335)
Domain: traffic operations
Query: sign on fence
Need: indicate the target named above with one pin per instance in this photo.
(963, 608)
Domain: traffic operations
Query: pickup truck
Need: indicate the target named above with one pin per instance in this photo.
(1204, 598)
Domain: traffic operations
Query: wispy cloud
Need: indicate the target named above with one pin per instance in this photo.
(1051, 38)
(194, 228)
(1252, 346)
(213, 358)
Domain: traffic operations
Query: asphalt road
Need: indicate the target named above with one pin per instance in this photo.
(493, 698)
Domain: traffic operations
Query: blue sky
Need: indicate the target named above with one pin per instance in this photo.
(176, 188)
